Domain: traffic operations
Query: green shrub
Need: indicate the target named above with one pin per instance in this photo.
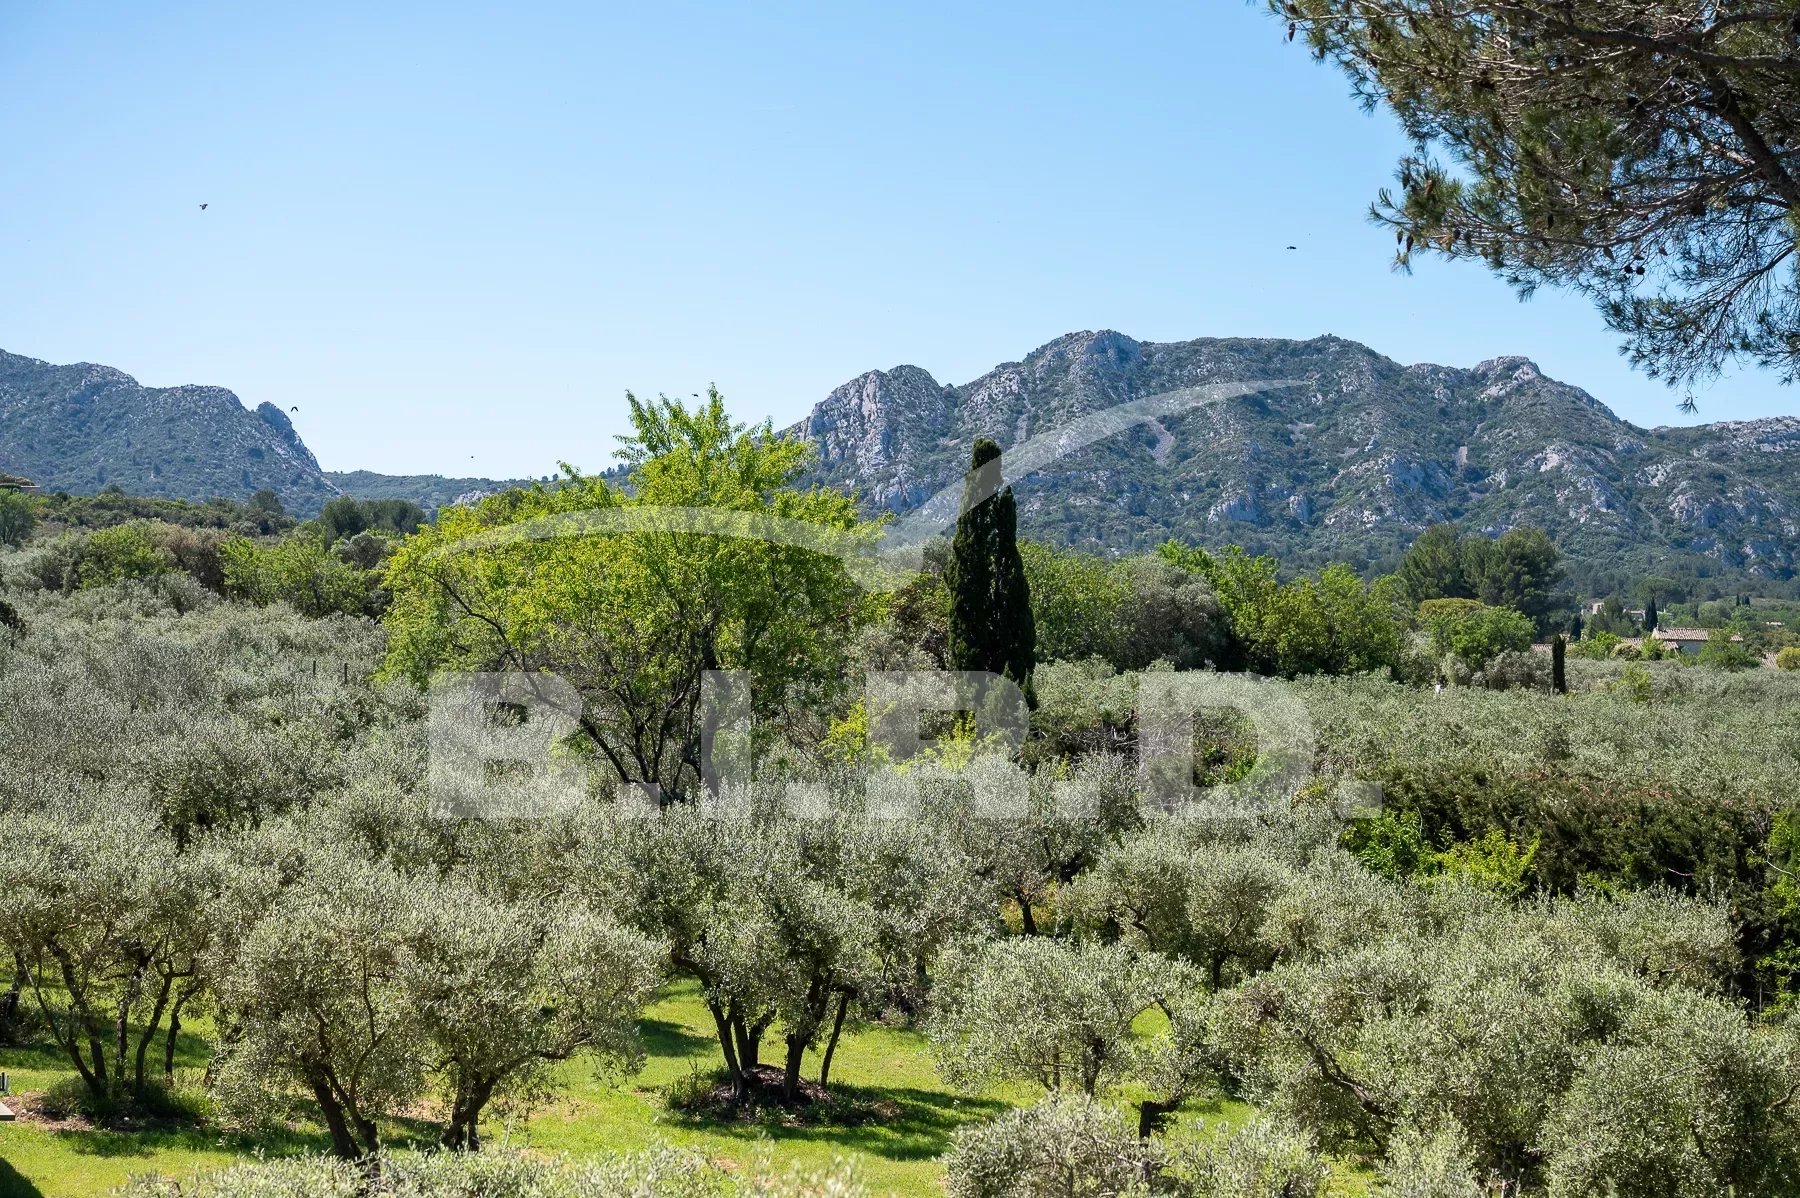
(1490, 861)
(1723, 652)
(1788, 658)
(18, 517)
(1596, 646)
(122, 552)
(300, 571)
(1391, 844)
(1476, 634)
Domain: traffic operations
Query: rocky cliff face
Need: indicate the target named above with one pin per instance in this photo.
(83, 427)
(1351, 463)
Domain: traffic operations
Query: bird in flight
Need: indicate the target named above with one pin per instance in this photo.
(1293, 247)
(293, 409)
(203, 207)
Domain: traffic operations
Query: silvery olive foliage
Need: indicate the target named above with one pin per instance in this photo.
(662, 1172)
(208, 809)
(1511, 1021)
(1067, 1146)
(360, 979)
(1070, 1146)
(1205, 903)
(1259, 1159)
(791, 921)
(1055, 1012)
(131, 726)
(1431, 1164)
(105, 927)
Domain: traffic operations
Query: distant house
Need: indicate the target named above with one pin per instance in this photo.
(1687, 640)
(14, 482)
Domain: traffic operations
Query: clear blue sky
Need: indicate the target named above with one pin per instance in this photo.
(455, 235)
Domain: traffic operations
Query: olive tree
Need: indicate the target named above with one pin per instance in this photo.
(313, 989)
(1205, 903)
(361, 979)
(1070, 815)
(786, 919)
(1054, 1012)
(101, 918)
(1685, 1097)
(663, 1172)
(1070, 1146)
(505, 990)
(1515, 1024)
(1067, 1146)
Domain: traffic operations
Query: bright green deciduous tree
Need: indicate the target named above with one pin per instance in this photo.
(537, 581)
(18, 516)
(1331, 624)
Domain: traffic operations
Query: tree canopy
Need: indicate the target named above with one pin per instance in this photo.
(1645, 153)
(633, 620)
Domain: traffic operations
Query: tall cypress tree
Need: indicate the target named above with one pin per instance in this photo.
(991, 627)
(1559, 669)
(1650, 616)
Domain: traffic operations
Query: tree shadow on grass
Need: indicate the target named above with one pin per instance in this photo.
(14, 1185)
(40, 1055)
(150, 1142)
(666, 1038)
(896, 1123)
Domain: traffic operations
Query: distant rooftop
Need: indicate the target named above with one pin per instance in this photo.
(1687, 634)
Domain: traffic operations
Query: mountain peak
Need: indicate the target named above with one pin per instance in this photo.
(1514, 365)
(83, 426)
(1352, 465)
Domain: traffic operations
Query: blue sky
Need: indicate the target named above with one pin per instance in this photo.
(455, 235)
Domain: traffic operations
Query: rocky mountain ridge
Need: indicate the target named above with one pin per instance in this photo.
(82, 427)
(1349, 463)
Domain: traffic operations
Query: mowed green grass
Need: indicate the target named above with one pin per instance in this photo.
(886, 1072)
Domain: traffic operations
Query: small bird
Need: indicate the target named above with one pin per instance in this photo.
(294, 409)
(203, 207)
(1293, 247)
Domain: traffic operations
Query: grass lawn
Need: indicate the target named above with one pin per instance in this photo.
(890, 1071)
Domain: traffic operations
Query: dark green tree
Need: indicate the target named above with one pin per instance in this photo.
(1433, 567)
(991, 626)
(1612, 617)
(265, 500)
(1639, 152)
(1521, 569)
(1575, 627)
(1559, 666)
(343, 517)
(1650, 616)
